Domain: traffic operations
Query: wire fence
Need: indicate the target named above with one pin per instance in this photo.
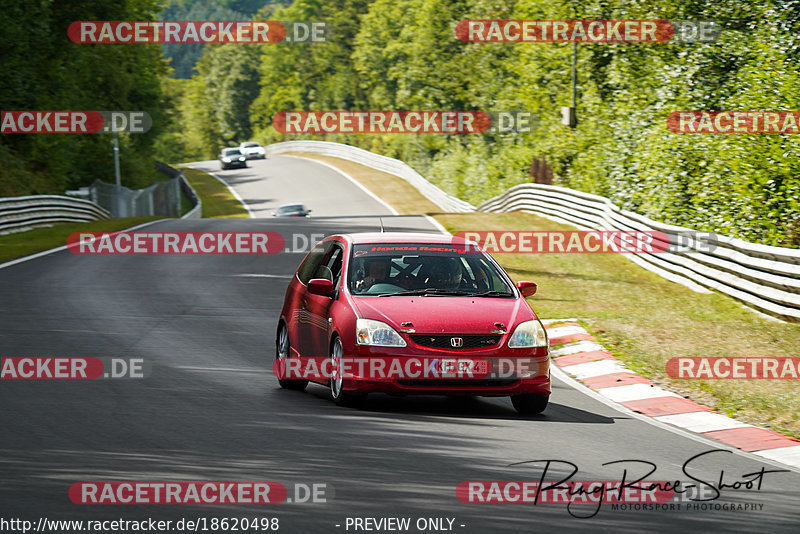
(160, 198)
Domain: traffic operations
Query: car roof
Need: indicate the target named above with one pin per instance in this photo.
(403, 237)
(231, 149)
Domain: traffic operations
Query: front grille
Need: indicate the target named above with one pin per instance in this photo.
(458, 383)
(444, 341)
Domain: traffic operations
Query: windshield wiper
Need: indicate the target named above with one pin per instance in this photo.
(427, 291)
(492, 293)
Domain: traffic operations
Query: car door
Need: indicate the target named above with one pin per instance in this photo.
(318, 306)
(301, 319)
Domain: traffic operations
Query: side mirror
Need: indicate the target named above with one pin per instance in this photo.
(320, 286)
(528, 289)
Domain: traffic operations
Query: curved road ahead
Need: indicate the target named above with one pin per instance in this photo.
(212, 410)
(266, 184)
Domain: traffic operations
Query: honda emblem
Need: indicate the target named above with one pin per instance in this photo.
(456, 342)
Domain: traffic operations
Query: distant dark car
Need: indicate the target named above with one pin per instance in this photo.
(231, 158)
(253, 150)
(292, 210)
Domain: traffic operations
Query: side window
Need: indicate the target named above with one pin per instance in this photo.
(311, 264)
(331, 267)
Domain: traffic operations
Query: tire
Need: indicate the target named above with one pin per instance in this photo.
(282, 350)
(338, 394)
(530, 403)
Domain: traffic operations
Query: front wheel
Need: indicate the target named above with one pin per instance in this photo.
(282, 350)
(530, 403)
(338, 394)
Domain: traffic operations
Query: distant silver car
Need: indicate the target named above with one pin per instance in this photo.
(253, 150)
(292, 210)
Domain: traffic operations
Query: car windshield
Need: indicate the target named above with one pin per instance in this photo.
(291, 208)
(231, 152)
(249, 145)
(424, 269)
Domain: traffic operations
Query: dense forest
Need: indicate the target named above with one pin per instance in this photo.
(183, 57)
(385, 54)
(43, 70)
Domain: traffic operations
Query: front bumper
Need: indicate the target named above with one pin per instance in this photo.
(234, 164)
(452, 387)
(503, 372)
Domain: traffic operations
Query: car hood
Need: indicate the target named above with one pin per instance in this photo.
(437, 314)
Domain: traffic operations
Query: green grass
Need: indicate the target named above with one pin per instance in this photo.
(21, 244)
(218, 202)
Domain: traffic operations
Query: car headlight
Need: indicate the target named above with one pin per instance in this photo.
(377, 333)
(226, 160)
(528, 334)
(241, 159)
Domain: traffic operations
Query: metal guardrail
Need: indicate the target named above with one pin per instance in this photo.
(18, 214)
(765, 277)
(378, 162)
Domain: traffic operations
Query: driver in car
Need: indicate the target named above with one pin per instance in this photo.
(446, 273)
(377, 272)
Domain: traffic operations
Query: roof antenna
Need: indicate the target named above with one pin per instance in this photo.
(381, 221)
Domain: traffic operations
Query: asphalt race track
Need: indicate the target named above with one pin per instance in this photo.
(211, 409)
(266, 184)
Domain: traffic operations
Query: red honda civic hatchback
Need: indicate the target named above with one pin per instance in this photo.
(411, 313)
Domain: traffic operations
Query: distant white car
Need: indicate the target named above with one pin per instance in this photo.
(253, 150)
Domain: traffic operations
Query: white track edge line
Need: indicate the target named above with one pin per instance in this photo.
(64, 247)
